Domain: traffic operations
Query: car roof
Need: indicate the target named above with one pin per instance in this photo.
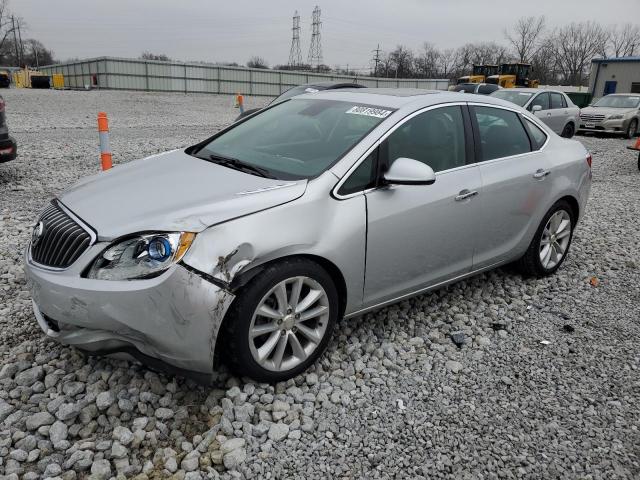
(623, 95)
(398, 98)
(536, 90)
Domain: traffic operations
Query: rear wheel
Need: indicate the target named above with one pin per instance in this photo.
(568, 131)
(551, 243)
(632, 129)
(281, 322)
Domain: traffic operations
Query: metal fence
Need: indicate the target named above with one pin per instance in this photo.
(128, 74)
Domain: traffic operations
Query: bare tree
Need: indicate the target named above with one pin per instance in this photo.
(36, 54)
(257, 62)
(574, 46)
(426, 63)
(623, 40)
(154, 56)
(402, 61)
(525, 37)
(446, 62)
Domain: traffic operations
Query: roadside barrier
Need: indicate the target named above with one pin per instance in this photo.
(103, 134)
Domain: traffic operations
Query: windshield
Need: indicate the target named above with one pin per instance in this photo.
(513, 96)
(614, 101)
(299, 138)
(466, 87)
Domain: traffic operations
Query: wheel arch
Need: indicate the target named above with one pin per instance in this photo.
(242, 278)
(573, 203)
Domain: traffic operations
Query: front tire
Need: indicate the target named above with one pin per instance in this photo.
(281, 321)
(568, 131)
(550, 244)
(632, 129)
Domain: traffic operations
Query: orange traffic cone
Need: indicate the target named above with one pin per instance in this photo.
(636, 147)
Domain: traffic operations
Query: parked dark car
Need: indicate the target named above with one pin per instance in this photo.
(479, 88)
(306, 88)
(8, 147)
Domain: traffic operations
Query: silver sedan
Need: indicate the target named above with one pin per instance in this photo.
(247, 247)
(552, 107)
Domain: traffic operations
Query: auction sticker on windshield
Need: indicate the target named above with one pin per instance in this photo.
(370, 112)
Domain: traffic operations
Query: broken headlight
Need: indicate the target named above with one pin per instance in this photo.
(142, 256)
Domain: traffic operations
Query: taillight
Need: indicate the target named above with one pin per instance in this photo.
(589, 158)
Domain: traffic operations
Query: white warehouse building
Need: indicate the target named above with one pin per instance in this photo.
(614, 75)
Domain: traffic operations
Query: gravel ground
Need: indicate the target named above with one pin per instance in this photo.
(546, 385)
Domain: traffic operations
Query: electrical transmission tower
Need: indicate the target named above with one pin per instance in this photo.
(376, 60)
(315, 49)
(295, 57)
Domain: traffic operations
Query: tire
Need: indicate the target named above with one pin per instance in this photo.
(568, 131)
(244, 346)
(632, 129)
(531, 263)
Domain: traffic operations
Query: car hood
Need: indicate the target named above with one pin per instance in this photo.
(606, 110)
(172, 191)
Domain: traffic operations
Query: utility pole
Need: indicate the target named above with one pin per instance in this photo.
(376, 59)
(15, 40)
(295, 57)
(21, 46)
(315, 49)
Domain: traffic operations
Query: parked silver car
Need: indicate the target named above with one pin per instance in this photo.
(251, 244)
(552, 107)
(616, 113)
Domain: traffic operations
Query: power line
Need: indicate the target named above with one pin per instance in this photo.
(295, 57)
(315, 49)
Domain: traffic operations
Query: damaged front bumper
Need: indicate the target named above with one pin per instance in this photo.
(171, 319)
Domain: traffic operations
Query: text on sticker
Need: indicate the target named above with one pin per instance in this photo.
(370, 112)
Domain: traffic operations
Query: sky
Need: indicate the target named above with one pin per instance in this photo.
(215, 31)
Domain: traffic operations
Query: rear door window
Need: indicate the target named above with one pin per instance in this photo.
(501, 133)
(557, 101)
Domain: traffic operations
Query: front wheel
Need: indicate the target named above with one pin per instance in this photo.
(550, 244)
(281, 322)
(632, 129)
(568, 130)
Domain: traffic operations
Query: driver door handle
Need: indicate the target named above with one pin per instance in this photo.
(540, 173)
(464, 194)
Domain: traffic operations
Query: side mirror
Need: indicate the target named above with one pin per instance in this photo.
(407, 171)
(536, 108)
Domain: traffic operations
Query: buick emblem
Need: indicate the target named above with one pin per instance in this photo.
(38, 230)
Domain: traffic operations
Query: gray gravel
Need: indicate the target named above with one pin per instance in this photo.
(518, 395)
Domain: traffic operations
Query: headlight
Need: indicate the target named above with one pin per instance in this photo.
(142, 256)
(616, 116)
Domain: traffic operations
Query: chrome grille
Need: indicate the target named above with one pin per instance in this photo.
(591, 117)
(57, 240)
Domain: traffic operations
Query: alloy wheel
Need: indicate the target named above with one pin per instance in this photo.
(289, 323)
(555, 239)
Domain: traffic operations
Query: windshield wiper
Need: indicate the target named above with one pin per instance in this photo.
(239, 165)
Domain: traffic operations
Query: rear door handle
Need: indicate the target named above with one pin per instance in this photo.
(549, 114)
(464, 194)
(540, 173)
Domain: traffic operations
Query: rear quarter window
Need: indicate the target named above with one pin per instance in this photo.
(538, 137)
